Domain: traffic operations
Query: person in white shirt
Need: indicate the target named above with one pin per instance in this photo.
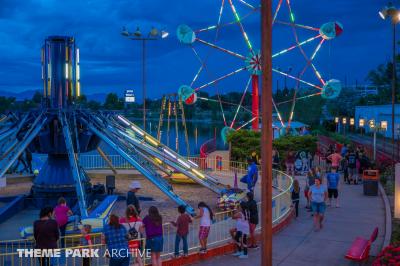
(206, 215)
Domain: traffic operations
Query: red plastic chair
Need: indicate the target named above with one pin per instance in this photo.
(359, 250)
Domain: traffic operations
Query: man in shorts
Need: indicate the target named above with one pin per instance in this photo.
(333, 179)
(352, 166)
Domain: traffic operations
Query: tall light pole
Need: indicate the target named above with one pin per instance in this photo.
(393, 13)
(153, 35)
(266, 132)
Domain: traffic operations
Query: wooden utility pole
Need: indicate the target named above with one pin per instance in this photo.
(266, 133)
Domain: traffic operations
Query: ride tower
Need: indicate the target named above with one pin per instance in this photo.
(61, 139)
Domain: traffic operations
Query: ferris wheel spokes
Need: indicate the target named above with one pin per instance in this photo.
(221, 49)
(240, 103)
(220, 78)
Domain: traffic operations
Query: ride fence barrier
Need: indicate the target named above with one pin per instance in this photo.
(219, 233)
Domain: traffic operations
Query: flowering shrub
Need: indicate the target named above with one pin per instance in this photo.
(389, 256)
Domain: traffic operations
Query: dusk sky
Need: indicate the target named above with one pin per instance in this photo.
(112, 63)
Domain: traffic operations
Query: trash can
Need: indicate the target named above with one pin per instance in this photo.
(110, 184)
(370, 182)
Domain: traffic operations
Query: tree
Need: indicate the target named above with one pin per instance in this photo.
(112, 102)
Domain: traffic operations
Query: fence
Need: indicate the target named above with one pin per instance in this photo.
(219, 232)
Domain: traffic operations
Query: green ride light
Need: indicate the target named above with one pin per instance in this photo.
(292, 17)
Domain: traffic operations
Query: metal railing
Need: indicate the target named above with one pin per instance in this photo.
(219, 233)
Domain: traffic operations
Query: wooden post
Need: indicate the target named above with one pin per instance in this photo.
(266, 133)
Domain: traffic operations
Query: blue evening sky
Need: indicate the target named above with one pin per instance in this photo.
(112, 63)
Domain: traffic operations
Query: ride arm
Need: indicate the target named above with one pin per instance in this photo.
(76, 171)
(117, 146)
(17, 150)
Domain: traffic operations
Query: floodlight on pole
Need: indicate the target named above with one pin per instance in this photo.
(153, 34)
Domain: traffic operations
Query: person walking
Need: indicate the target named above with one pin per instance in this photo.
(205, 215)
(182, 230)
(311, 175)
(335, 158)
(134, 225)
(252, 175)
(333, 180)
(253, 220)
(114, 236)
(131, 198)
(290, 159)
(318, 195)
(275, 159)
(46, 233)
(61, 213)
(352, 166)
(154, 235)
(296, 196)
(242, 230)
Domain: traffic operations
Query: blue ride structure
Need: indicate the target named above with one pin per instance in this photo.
(63, 130)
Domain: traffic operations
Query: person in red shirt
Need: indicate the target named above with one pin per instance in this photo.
(134, 225)
(182, 230)
(61, 213)
(290, 159)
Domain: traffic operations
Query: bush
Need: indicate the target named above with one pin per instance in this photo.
(295, 143)
(245, 142)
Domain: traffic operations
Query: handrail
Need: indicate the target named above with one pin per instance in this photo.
(219, 233)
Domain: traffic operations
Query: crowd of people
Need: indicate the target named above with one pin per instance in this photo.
(133, 233)
(322, 188)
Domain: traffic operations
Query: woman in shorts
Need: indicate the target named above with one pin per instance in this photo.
(318, 194)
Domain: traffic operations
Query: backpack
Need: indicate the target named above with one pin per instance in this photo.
(132, 232)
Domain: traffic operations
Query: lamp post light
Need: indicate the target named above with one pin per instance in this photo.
(372, 127)
(337, 123)
(153, 35)
(393, 13)
(344, 122)
(361, 124)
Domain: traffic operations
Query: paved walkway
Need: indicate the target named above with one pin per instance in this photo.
(298, 244)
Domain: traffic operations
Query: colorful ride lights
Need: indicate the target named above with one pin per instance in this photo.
(184, 163)
(193, 163)
(126, 122)
(169, 153)
(198, 173)
(151, 140)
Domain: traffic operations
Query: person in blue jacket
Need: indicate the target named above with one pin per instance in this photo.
(252, 175)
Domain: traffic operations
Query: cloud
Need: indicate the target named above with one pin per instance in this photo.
(111, 62)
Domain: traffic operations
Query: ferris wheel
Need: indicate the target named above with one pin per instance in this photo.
(235, 14)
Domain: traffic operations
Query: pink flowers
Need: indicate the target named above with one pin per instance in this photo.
(389, 256)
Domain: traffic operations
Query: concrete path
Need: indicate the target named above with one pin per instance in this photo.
(298, 244)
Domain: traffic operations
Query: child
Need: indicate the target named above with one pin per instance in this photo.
(242, 230)
(134, 227)
(86, 242)
(333, 184)
(296, 196)
(182, 231)
(206, 216)
(61, 213)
